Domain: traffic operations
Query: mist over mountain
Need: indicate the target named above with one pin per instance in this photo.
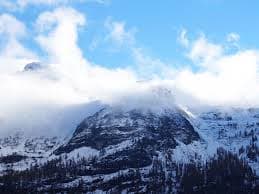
(103, 96)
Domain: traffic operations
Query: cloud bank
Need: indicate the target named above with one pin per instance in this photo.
(31, 98)
(41, 100)
(222, 78)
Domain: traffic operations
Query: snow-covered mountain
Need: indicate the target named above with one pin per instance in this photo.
(111, 127)
(21, 151)
(118, 142)
(234, 129)
(33, 66)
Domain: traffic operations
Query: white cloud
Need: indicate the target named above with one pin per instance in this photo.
(203, 52)
(58, 35)
(231, 80)
(233, 37)
(148, 67)
(220, 78)
(183, 39)
(145, 66)
(67, 79)
(14, 5)
(10, 26)
(7, 4)
(233, 41)
(118, 34)
(12, 52)
(94, 43)
(24, 3)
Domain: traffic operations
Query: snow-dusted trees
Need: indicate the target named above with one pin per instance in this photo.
(223, 173)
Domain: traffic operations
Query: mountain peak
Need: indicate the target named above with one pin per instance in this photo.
(113, 125)
(33, 66)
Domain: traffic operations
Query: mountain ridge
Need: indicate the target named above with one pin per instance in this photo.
(115, 141)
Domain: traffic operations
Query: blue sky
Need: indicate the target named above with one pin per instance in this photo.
(157, 26)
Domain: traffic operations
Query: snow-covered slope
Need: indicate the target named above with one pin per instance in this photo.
(21, 151)
(110, 133)
(234, 129)
(116, 132)
(115, 140)
(195, 134)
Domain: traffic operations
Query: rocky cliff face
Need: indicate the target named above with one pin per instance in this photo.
(110, 126)
(130, 139)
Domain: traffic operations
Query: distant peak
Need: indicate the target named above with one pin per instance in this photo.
(33, 66)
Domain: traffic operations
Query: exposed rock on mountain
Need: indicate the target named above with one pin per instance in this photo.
(112, 126)
(34, 66)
